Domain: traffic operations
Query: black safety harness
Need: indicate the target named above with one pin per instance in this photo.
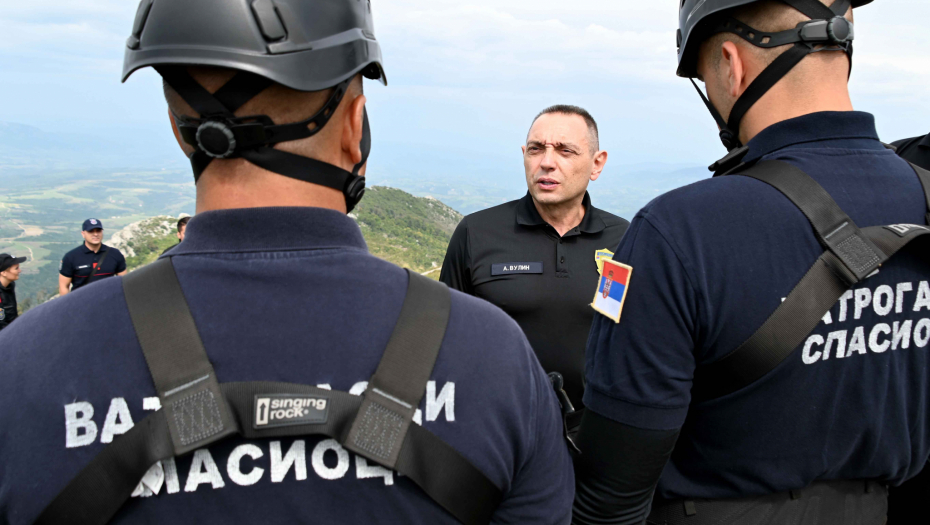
(198, 411)
(828, 30)
(219, 134)
(850, 256)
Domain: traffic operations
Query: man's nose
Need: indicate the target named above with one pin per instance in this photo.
(548, 160)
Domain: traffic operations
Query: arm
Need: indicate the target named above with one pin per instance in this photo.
(64, 285)
(617, 471)
(638, 388)
(121, 264)
(456, 271)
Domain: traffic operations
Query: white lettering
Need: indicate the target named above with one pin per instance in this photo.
(203, 470)
(923, 297)
(364, 471)
(843, 304)
(857, 344)
(296, 456)
(358, 388)
(151, 403)
(119, 420)
(172, 482)
(807, 357)
(840, 337)
(80, 429)
(899, 296)
(863, 299)
(418, 417)
(324, 386)
(922, 333)
(877, 330)
(880, 306)
(446, 399)
(319, 453)
(233, 468)
(901, 335)
(828, 318)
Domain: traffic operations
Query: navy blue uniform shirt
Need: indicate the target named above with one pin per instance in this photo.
(278, 294)
(711, 261)
(81, 261)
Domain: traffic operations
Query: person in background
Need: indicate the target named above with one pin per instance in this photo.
(90, 261)
(182, 226)
(537, 258)
(916, 150)
(9, 274)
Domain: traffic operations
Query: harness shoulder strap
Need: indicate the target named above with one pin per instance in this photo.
(924, 177)
(851, 255)
(197, 411)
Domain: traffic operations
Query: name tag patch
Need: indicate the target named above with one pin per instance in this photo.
(281, 410)
(516, 267)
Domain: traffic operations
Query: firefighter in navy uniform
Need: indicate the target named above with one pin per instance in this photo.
(769, 364)
(268, 369)
(9, 274)
(89, 262)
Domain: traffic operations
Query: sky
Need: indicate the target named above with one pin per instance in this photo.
(466, 77)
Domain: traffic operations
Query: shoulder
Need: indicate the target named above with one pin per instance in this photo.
(493, 216)
(710, 197)
(905, 144)
(612, 221)
(72, 252)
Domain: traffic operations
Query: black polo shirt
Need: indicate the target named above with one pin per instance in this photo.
(916, 150)
(509, 256)
(7, 305)
(81, 261)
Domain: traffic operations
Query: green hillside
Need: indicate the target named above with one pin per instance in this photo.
(409, 231)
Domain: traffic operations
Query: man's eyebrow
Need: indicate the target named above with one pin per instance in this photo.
(556, 145)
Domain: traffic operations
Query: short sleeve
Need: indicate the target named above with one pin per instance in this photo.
(65, 267)
(639, 371)
(456, 272)
(120, 261)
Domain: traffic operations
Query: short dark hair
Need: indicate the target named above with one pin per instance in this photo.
(568, 109)
(182, 222)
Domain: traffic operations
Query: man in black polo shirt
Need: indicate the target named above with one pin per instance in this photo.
(916, 150)
(536, 257)
(90, 261)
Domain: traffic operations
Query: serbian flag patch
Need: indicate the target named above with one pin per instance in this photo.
(611, 291)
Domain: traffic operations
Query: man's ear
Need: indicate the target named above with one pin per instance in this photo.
(600, 160)
(735, 69)
(353, 129)
(185, 147)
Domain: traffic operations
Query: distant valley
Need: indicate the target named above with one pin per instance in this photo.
(50, 182)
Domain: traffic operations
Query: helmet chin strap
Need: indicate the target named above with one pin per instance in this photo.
(828, 30)
(219, 134)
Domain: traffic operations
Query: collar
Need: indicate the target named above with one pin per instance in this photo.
(103, 248)
(9, 288)
(849, 129)
(925, 143)
(269, 229)
(528, 215)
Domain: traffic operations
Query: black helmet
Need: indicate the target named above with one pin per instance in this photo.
(700, 19)
(302, 44)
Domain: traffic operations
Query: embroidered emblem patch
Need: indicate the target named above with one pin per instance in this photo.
(611, 289)
(600, 256)
(2, 314)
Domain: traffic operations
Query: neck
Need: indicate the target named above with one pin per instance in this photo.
(562, 216)
(238, 184)
(93, 247)
(800, 93)
(4, 282)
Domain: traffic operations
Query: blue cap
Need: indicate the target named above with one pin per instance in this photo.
(92, 224)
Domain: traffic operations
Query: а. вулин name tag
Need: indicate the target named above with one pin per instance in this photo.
(612, 289)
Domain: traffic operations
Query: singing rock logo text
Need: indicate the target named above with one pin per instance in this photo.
(288, 409)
